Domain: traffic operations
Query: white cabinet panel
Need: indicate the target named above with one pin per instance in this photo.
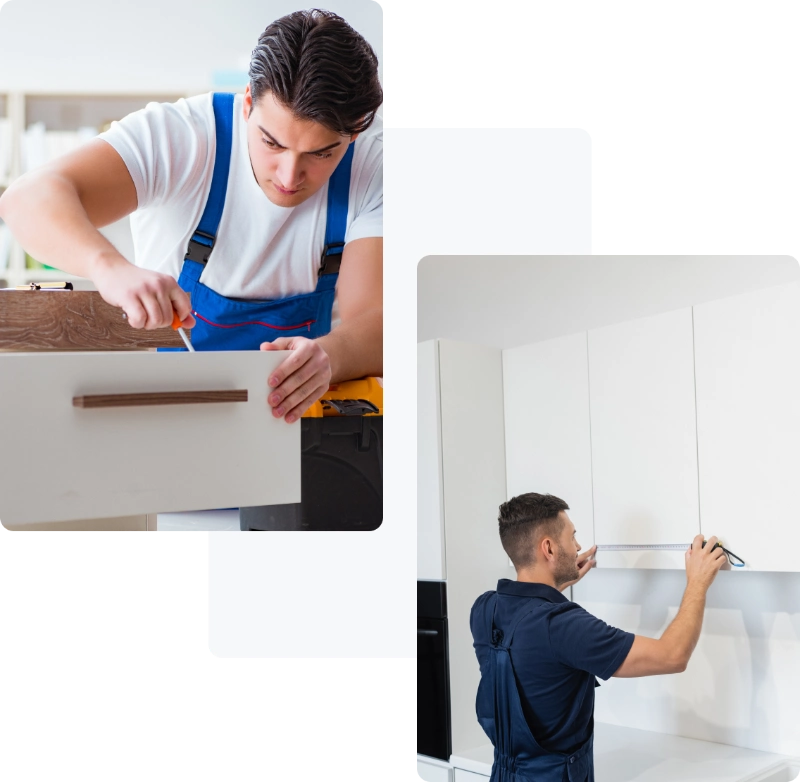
(469, 776)
(748, 420)
(431, 770)
(60, 462)
(430, 512)
(548, 439)
(474, 480)
(644, 444)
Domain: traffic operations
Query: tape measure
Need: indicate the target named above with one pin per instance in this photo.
(666, 547)
(644, 547)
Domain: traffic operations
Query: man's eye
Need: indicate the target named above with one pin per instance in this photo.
(270, 144)
(322, 155)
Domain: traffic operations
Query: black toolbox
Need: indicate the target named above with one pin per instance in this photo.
(341, 466)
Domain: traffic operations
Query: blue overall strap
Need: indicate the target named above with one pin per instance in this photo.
(336, 222)
(497, 637)
(205, 235)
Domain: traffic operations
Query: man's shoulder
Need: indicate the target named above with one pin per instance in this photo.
(479, 606)
(197, 111)
(568, 619)
(375, 131)
(554, 614)
(369, 144)
(163, 118)
(481, 599)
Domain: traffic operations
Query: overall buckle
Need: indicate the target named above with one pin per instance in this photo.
(331, 261)
(198, 251)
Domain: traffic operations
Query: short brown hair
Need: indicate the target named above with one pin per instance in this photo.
(523, 519)
(320, 68)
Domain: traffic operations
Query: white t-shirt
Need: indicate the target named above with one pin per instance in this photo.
(263, 251)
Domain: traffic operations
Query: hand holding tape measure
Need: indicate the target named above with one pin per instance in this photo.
(729, 554)
(704, 559)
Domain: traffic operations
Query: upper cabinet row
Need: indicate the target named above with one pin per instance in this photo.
(658, 429)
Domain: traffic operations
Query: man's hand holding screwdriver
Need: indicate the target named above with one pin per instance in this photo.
(151, 300)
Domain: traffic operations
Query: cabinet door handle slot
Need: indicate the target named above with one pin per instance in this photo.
(159, 398)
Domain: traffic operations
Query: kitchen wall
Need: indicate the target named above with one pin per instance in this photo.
(742, 686)
(151, 45)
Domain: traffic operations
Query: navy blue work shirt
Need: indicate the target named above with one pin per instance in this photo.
(557, 651)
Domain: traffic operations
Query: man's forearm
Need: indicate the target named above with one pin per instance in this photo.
(47, 218)
(684, 631)
(355, 347)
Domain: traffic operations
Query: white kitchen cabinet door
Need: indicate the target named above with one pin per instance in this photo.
(644, 443)
(430, 512)
(748, 421)
(474, 481)
(433, 770)
(548, 439)
(60, 462)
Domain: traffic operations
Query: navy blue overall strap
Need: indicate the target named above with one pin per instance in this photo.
(503, 640)
(202, 241)
(336, 220)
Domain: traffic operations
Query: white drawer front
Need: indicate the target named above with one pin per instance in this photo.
(433, 771)
(60, 462)
(469, 776)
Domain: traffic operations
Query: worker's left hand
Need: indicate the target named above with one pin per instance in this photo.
(300, 380)
(585, 563)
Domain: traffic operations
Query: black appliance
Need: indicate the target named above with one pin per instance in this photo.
(433, 671)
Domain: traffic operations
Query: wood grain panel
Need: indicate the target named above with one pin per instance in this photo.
(72, 320)
(162, 398)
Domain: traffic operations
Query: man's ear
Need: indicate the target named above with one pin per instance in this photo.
(247, 103)
(547, 548)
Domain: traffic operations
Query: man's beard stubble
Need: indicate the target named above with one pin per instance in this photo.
(566, 568)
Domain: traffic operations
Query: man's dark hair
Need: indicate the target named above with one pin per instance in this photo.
(320, 68)
(525, 518)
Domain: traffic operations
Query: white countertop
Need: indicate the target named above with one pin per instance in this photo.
(631, 755)
(199, 521)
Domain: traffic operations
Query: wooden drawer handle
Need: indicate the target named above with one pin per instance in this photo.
(161, 398)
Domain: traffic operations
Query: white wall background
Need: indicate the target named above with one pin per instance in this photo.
(150, 45)
(507, 301)
(741, 686)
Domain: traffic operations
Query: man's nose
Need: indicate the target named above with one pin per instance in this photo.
(290, 172)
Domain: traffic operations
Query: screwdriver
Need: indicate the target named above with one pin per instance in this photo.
(176, 324)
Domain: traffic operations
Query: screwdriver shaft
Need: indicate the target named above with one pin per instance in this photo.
(186, 340)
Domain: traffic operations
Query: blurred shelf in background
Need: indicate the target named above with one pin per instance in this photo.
(35, 128)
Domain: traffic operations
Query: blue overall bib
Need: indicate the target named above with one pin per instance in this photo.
(237, 324)
(517, 755)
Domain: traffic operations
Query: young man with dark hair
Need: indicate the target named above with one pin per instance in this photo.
(539, 653)
(266, 208)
